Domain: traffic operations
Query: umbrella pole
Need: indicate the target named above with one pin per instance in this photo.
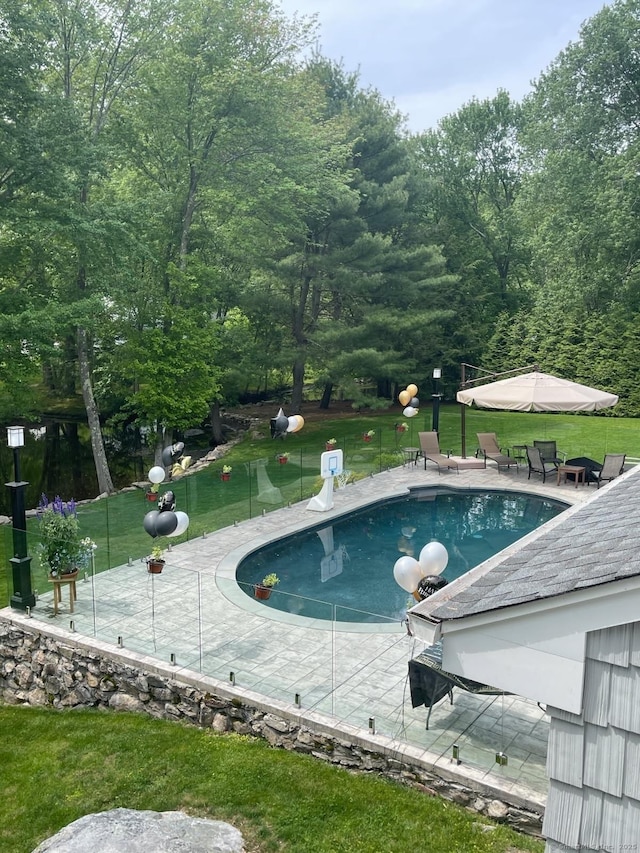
(463, 423)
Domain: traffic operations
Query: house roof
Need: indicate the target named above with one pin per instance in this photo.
(591, 544)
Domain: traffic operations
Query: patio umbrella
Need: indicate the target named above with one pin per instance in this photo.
(534, 392)
(537, 392)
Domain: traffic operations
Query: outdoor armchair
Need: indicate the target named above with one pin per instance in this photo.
(537, 465)
(612, 467)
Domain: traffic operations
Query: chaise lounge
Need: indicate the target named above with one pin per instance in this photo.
(489, 448)
(430, 451)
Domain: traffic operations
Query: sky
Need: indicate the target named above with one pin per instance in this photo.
(430, 57)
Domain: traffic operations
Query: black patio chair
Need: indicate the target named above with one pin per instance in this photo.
(550, 453)
(537, 465)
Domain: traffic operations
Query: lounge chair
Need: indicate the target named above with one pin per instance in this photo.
(537, 465)
(612, 467)
(550, 453)
(430, 451)
(489, 448)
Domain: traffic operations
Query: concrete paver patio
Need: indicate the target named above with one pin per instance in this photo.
(195, 616)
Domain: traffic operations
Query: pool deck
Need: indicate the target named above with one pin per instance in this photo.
(195, 617)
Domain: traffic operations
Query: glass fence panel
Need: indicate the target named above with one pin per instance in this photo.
(269, 648)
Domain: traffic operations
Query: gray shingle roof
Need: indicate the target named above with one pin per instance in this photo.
(592, 544)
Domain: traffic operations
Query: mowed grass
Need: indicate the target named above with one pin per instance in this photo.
(60, 765)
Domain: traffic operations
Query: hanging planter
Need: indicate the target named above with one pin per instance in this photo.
(401, 427)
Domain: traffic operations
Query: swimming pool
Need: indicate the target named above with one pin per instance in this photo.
(343, 571)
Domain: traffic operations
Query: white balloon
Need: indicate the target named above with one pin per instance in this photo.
(183, 523)
(293, 423)
(156, 474)
(433, 559)
(406, 573)
(409, 412)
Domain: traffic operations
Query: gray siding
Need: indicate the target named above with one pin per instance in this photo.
(593, 760)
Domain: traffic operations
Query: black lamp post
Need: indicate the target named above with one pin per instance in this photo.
(435, 413)
(23, 596)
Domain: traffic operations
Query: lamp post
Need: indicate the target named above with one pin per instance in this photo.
(435, 411)
(23, 596)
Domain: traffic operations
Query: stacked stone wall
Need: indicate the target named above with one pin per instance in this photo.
(50, 668)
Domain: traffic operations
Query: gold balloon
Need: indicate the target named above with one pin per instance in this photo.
(404, 397)
(412, 390)
(300, 423)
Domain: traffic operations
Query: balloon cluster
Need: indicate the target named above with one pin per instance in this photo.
(408, 398)
(166, 520)
(281, 424)
(421, 577)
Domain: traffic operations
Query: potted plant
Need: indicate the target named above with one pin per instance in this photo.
(330, 444)
(152, 492)
(155, 561)
(62, 550)
(226, 472)
(401, 427)
(263, 590)
(369, 435)
(283, 458)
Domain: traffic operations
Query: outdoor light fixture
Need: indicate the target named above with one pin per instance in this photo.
(15, 436)
(23, 597)
(502, 759)
(436, 397)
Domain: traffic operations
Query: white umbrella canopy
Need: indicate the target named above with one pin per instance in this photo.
(537, 392)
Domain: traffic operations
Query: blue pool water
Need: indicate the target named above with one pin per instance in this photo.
(344, 570)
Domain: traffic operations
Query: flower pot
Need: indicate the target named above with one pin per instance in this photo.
(155, 567)
(152, 496)
(329, 446)
(366, 438)
(262, 592)
(225, 476)
(401, 429)
(282, 460)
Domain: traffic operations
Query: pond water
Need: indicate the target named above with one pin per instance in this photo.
(344, 571)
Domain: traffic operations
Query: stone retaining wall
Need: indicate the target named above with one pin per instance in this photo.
(47, 666)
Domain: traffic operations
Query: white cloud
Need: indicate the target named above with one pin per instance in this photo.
(432, 56)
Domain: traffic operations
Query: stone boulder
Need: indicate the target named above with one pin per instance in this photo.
(130, 831)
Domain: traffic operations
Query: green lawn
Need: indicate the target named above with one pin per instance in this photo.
(60, 765)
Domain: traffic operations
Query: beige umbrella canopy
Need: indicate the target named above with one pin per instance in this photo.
(537, 392)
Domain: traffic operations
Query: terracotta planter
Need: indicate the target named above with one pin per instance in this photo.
(152, 496)
(262, 592)
(225, 476)
(366, 438)
(401, 429)
(155, 567)
(329, 446)
(282, 460)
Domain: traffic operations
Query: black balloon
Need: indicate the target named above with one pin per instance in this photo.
(167, 502)
(172, 452)
(166, 523)
(279, 425)
(414, 402)
(430, 584)
(149, 522)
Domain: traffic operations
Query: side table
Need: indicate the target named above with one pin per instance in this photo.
(411, 454)
(58, 582)
(576, 470)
